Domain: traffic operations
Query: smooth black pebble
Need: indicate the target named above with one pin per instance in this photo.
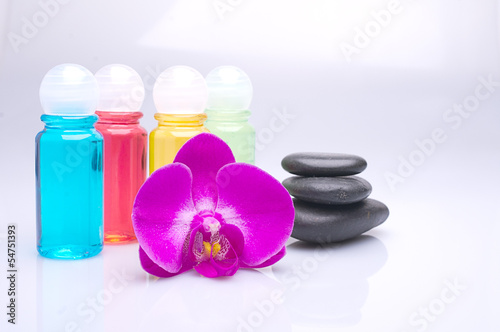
(325, 190)
(323, 164)
(328, 223)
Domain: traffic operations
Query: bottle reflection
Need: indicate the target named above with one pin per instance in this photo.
(69, 295)
(326, 285)
(125, 280)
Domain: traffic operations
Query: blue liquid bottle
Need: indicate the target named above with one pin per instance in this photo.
(69, 174)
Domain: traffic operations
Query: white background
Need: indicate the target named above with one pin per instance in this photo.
(395, 91)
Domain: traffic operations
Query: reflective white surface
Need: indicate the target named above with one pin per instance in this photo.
(433, 266)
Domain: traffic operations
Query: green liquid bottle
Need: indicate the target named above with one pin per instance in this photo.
(229, 96)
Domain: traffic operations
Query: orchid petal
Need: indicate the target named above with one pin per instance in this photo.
(162, 215)
(259, 206)
(152, 268)
(205, 154)
(269, 262)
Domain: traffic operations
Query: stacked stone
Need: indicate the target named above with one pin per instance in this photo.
(331, 203)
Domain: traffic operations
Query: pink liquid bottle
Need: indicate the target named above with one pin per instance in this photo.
(125, 147)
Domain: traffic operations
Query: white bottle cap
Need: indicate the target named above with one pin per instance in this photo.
(229, 89)
(69, 89)
(180, 90)
(121, 89)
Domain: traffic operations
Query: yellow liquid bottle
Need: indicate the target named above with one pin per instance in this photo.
(172, 132)
(180, 95)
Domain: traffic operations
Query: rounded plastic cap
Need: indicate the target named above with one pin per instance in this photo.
(229, 89)
(69, 89)
(180, 90)
(121, 89)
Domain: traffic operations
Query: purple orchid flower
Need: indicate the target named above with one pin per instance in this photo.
(209, 213)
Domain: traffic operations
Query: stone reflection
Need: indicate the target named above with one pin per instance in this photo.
(327, 285)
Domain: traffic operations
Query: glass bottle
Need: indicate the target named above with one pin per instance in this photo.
(125, 147)
(180, 96)
(68, 166)
(172, 132)
(229, 96)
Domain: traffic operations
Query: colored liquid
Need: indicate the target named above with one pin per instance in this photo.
(234, 129)
(69, 183)
(170, 135)
(125, 143)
